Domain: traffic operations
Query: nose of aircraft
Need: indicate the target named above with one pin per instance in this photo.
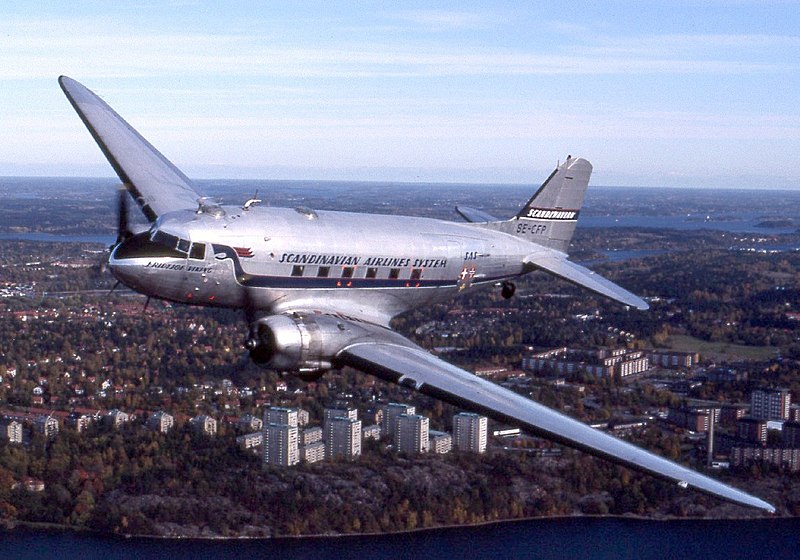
(128, 260)
(124, 269)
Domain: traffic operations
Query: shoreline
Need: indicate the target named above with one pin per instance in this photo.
(34, 526)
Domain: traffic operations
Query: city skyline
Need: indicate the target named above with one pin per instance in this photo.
(687, 94)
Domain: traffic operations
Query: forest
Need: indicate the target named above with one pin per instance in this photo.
(173, 358)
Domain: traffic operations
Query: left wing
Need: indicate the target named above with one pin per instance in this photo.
(391, 357)
(558, 265)
(154, 181)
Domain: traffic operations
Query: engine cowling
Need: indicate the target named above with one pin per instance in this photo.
(300, 344)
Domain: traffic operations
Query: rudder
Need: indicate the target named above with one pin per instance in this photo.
(550, 216)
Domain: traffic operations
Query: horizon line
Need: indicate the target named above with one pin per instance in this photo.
(408, 182)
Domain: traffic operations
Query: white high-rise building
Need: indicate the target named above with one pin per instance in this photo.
(302, 417)
(310, 435)
(46, 425)
(12, 430)
(411, 434)
(469, 432)
(281, 445)
(250, 423)
(281, 415)
(440, 442)
(313, 452)
(770, 404)
(343, 438)
(331, 413)
(161, 422)
(205, 424)
(390, 413)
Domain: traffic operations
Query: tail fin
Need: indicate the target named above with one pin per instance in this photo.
(550, 216)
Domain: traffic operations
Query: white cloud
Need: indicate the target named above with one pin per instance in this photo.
(442, 20)
(694, 45)
(51, 47)
(258, 93)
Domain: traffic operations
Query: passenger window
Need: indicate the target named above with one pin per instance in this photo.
(198, 251)
(372, 272)
(323, 272)
(416, 273)
(347, 272)
(394, 273)
(297, 270)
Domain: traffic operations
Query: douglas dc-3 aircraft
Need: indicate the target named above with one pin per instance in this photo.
(319, 288)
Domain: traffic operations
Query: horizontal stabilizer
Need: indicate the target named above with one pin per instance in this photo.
(474, 215)
(582, 276)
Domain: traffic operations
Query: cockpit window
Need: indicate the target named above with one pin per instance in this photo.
(198, 251)
(141, 246)
(178, 245)
(172, 245)
(165, 239)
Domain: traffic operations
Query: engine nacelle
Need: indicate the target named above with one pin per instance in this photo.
(303, 345)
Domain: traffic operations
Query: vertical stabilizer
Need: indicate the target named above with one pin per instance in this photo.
(561, 195)
(550, 216)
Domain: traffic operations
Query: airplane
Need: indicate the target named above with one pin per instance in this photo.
(319, 288)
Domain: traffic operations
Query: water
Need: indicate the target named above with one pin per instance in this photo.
(621, 255)
(574, 538)
(743, 223)
(757, 211)
(59, 238)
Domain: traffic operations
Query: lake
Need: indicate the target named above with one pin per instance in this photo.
(571, 538)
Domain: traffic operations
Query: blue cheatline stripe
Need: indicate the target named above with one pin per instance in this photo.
(307, 282)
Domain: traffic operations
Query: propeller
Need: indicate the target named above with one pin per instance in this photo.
(254, 343)
(123, 231)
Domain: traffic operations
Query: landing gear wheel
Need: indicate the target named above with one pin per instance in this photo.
(508, 290)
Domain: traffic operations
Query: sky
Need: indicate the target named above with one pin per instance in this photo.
(670, 93)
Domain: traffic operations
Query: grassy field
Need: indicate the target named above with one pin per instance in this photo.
(720, 351)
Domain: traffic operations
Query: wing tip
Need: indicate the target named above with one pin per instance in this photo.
(759, 504)
(66, 82)
(729, 493)
(75, 91)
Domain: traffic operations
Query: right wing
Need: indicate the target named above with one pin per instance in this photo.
(474, 215)
(155, 183)
(391, 357)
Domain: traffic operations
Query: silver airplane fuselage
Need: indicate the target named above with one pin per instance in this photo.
(279, 259)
